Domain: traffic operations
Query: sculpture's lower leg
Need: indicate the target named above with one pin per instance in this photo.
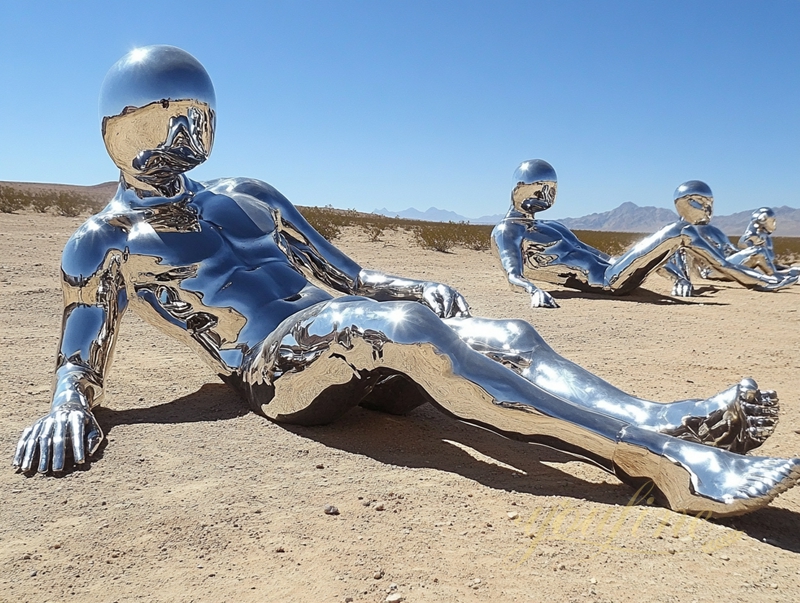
(737, 419)
(631, 268)
(347, 342)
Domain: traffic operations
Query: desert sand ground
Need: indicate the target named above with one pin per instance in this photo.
(196, 499)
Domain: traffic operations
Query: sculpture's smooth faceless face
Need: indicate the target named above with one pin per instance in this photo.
(694, 202)
(533, 197)
(157, 110)
(765, 218)
(536, 186)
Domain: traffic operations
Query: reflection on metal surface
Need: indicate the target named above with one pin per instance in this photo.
(157, 110)
(547, 250)
(694, 202)
(226, 267)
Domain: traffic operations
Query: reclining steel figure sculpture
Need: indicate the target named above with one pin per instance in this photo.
(758, 235)
(548, 250)
(694, 203)
(224, 267)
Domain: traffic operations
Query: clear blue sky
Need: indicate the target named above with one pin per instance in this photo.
(395, 104)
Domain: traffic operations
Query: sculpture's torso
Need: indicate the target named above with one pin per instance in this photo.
(211, 269)
(551, 252)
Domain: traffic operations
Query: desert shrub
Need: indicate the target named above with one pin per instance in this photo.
(787, 249)
(476, 236)
(11, 200)
(71, 204)
(612, 243)
(439, 236)
(63, 203)
(323, 221)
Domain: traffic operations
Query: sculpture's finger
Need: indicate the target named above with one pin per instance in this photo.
(463, 306)
(760, 410)
(59, 448)
(30, 447)
(94, 436)
(446, 295)
(76, 429)
(23, 439)
(45, 444)
(760, 433)
(432, 302)
(769, 397)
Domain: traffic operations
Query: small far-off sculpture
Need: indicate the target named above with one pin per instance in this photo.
(529, 248)
(694, 203)
(758, 237)
(231, 269)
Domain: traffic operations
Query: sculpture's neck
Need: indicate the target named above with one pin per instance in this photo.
(513, 212)
(168, 188)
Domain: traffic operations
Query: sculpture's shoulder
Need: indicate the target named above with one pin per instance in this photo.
(105, 232)
(247, 187)
(715, 236)
(513, 224)
(549, 231)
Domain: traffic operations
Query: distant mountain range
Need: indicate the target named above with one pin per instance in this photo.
(628, 217)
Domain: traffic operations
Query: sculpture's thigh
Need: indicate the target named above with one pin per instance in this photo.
(331, 356)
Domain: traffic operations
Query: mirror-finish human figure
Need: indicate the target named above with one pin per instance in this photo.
(757, 238)
(694, 203)
(229, 267)
(547, 250)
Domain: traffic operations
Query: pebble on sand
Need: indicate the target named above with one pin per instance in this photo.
(330, 510)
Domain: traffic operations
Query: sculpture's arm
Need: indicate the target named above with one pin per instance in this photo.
(318, 258)
(94, 302)
(507, 238)
(678, 270)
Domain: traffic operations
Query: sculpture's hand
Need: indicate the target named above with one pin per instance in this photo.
(444, 300)
(70, 425)
(682, 288)
(542, 299)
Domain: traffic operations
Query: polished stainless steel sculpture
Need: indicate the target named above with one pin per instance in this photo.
(756, 242)
(547, 250)
(694, 203)
(226, 267)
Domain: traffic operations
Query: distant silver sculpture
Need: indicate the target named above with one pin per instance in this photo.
(694, 203)
(223, 267)
(757, 240)
(548, 250)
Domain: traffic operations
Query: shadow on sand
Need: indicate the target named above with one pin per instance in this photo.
(701, 295)
(426, 438)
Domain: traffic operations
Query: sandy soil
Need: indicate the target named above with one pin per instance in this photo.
(196, 499)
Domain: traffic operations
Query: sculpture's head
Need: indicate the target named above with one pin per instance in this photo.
(764, 218)
(157, 107)
(535, 186)
(694, 202)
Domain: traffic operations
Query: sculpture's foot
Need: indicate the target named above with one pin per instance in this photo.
(785, 281)
(702, 480)
(738, 419)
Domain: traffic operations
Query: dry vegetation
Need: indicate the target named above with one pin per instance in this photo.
(438, 236)
(57, 199)
(65, 200)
